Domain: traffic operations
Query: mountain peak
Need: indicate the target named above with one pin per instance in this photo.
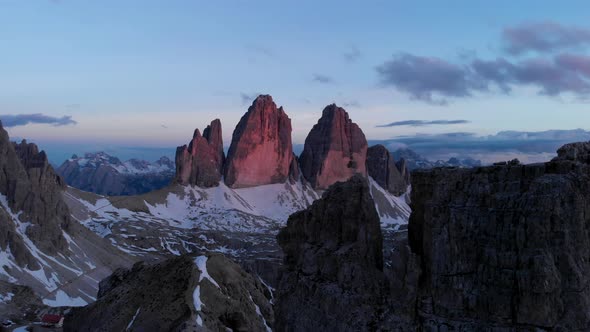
(334, 150)
(261, 150)
(201, 162)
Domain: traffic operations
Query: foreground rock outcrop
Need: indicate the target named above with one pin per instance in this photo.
(384, 170)
(333, 278)
(502, 248)
(208, 293)
(261, 150)
(505, 247)
(201, 162)
(41, 246)
(29, 184)
(335, 149)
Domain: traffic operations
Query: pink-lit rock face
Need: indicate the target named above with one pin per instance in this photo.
(334, 150)
(261, 150)
(201, 162)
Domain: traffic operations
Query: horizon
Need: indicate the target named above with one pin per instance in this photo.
(143, 75)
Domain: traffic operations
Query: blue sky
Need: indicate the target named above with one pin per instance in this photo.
(146, 73)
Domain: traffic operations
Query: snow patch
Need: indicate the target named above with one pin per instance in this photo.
(62, 299)
(268, 329)
(133, 319)
(201, 262)
(5, 298)
(198, 303)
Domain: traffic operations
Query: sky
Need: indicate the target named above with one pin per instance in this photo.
(81, 76)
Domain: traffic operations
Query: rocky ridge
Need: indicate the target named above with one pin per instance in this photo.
(41, 246)
(209, 293)
(201, 162)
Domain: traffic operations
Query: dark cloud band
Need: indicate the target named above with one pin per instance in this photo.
(9, 120)
(420, 123)
(552, 69)
(543, 37)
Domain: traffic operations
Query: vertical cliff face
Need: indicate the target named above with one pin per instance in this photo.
(261, 151)
(334, 150)
(201, 162)
(29, 184)
(382, 168)
(505, 246)
(333, 279)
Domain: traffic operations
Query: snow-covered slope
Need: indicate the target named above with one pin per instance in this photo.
(132, 166)
(104, 174)
(67, 278)
(181, 219)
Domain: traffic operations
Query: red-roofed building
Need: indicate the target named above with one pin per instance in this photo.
(52, 320)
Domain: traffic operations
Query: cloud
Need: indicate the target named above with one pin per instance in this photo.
(504, 145)
(352, 55)
(561, 74)
(420, 123)
(351, 103)
(248, 98)
(9, 120)
(324, 79)
(434, 80)
(551, 69)
(543, 37)
(261, 50)
(423, 78)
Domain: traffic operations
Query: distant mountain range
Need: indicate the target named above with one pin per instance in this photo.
(104, 174)
(416, 161)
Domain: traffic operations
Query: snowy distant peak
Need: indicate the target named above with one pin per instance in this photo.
(416, 161)
(132, 166)
(165, 162)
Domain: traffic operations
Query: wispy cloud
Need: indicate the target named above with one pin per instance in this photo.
(324, 79)
(261, 50)
(351, 103)
(543, 37)
(352, 55)
(247, 98)
(10, 120)
(421, 123)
